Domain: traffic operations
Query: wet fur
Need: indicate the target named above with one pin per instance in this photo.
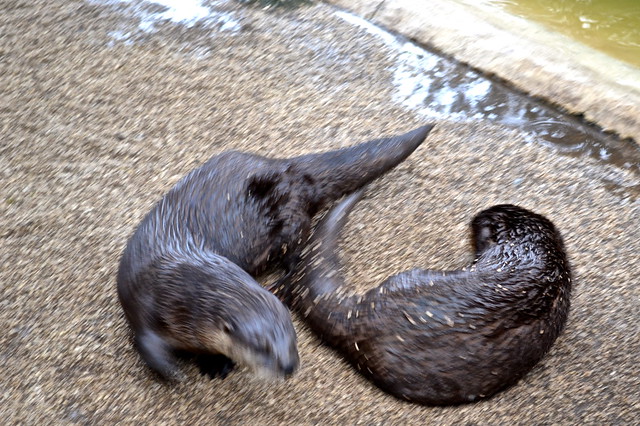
(185, 278)
(444, 337)
(206, 305)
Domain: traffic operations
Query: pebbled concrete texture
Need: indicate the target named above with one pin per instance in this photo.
(542, 63)
(100, 118)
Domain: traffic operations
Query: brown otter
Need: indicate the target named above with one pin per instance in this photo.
(185, 276)
(444, 337)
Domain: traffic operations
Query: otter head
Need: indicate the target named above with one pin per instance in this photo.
(245, 322)
(262, 339)
(507, 234)
(507, 224)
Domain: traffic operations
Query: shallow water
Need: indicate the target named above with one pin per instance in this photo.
(611, 26)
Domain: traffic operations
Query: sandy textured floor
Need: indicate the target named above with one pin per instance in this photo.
(95, 129)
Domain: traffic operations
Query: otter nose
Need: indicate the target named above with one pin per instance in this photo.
(289, 369)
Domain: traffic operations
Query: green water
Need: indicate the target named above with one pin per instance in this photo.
(611, 26)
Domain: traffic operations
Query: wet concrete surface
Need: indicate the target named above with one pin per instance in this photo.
(543, 63)
(100, 116)
(438, 87)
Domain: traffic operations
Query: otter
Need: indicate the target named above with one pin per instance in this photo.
(192, 301)
(443, 337)
(186, 277)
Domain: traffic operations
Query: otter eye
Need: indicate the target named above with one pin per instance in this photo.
(227, 328)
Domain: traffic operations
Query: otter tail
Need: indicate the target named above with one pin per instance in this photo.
(340, 172)
(317, 287)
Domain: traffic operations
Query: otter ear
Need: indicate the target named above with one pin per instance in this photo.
(484, 233)
(483, 238)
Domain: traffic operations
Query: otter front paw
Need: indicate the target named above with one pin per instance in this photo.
(214, 365)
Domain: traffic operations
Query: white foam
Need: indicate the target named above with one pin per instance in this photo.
(412, 73)
(184, 12)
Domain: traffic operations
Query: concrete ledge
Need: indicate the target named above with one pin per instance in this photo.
(542, 63)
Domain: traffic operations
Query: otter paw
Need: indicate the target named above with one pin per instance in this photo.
(214, 365)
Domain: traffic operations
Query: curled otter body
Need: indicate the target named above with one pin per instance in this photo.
(444, 337)
(185, 278)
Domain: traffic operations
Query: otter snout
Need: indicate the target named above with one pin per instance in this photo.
(262, 337)
(290, 369)
(280, 356)
(270, 364)
(289, 363)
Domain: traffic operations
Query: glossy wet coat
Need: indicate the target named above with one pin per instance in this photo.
(444, 337)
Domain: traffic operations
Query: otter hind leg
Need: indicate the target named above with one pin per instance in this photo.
(157, 353)
(214, 365)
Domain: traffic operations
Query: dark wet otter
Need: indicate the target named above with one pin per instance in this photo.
(185, 276)
(444, 337)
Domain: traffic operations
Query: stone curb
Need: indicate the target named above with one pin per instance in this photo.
(542, 63)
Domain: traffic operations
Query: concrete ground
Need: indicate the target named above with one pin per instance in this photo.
(99, 118)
